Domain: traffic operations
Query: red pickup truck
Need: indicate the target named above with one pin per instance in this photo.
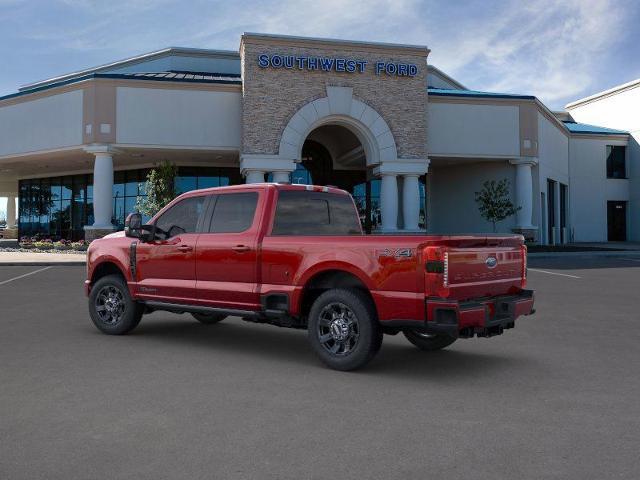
(295, 256)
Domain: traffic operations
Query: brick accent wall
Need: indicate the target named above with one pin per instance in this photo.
(271, 96)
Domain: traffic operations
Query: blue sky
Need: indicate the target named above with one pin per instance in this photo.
(557, 50)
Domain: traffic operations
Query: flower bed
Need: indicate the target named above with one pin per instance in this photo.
(37, 244)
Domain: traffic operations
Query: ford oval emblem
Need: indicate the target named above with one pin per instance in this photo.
(491, 262)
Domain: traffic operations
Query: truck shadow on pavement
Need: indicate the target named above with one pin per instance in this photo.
(268, 343)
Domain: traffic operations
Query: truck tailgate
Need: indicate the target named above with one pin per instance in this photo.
(465, 267)
(485, 271)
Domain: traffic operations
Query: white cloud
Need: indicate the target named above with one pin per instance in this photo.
(546, 48)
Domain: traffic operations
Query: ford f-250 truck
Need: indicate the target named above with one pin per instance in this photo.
(296, 256)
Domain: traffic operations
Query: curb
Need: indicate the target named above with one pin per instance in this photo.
(616, 253)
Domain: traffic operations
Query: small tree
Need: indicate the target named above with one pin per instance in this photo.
(160, 189)
(494, 201)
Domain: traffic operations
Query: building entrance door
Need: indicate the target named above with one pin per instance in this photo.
(617, 221)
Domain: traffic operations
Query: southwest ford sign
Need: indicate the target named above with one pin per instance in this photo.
(333, 64)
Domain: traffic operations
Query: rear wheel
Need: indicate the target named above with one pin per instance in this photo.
(111, 307)
(343, 329)
(209, 318)
(427, 341)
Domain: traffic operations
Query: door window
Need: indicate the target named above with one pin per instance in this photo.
(181, 218)
(234, 212)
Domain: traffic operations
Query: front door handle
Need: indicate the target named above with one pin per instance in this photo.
(185, 248)
(240, 248)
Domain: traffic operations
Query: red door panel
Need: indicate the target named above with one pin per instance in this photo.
(227, 256)
(166, 270)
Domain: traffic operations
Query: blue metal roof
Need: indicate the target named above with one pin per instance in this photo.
(585, 128)
(445, 92)
(188, 77)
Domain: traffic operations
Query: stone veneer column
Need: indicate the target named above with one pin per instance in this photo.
(524, 194)
(102, 192)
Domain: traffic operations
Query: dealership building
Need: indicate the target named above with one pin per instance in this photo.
(410, 143)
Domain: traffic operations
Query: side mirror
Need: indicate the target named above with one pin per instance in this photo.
(133, 225)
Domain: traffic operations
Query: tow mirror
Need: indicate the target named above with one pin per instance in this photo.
(133, 225)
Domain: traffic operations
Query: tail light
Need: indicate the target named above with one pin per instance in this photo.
(523, 276)
(437, 271)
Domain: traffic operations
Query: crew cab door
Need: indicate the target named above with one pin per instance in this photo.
(227, 252)
(166, 267)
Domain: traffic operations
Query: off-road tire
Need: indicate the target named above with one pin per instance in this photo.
(356, 310)
(129, 312)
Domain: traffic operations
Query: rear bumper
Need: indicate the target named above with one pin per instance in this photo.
(482, 317)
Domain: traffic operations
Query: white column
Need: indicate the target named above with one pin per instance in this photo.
(102, 186)
(389, 202)
(103, 190)
(411, 202)
(281, 177)
(11, 212)
(254, 176)
(524, 192)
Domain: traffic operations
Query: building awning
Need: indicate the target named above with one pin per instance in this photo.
(585, 128)
(444, 92)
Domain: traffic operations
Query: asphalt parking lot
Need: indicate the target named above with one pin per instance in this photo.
(557, 397)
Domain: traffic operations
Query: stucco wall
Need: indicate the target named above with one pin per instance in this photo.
(45, 123)
(620, 111)
(553, 163)
(451, 194)
(590, 189)
(191, 118)
(271, 96)
(468, 129)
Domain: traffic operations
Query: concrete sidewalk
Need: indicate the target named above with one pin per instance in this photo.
(36, 259)
(592, 253)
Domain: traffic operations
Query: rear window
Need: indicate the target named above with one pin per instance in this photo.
(315, 213)
(234, 212)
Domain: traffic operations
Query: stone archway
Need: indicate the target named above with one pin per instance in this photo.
(340, 108)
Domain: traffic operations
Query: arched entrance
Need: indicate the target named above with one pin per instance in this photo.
(339, 140)
(333, 155)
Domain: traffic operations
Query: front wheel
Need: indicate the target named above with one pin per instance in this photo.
(343, 329)
(427, 341)
(111, 307)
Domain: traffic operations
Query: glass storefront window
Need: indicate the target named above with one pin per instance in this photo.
(60, 207)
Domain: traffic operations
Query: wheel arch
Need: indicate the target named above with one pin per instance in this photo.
(107, 267)
(334, 276)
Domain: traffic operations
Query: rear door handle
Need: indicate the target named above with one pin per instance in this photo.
(240, 248)
(185, 248)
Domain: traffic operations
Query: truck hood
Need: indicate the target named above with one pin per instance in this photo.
(115, 234)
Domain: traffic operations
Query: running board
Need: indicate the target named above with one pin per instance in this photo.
(179, 308)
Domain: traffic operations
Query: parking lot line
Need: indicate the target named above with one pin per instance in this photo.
(553, 273)
(25, 275)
